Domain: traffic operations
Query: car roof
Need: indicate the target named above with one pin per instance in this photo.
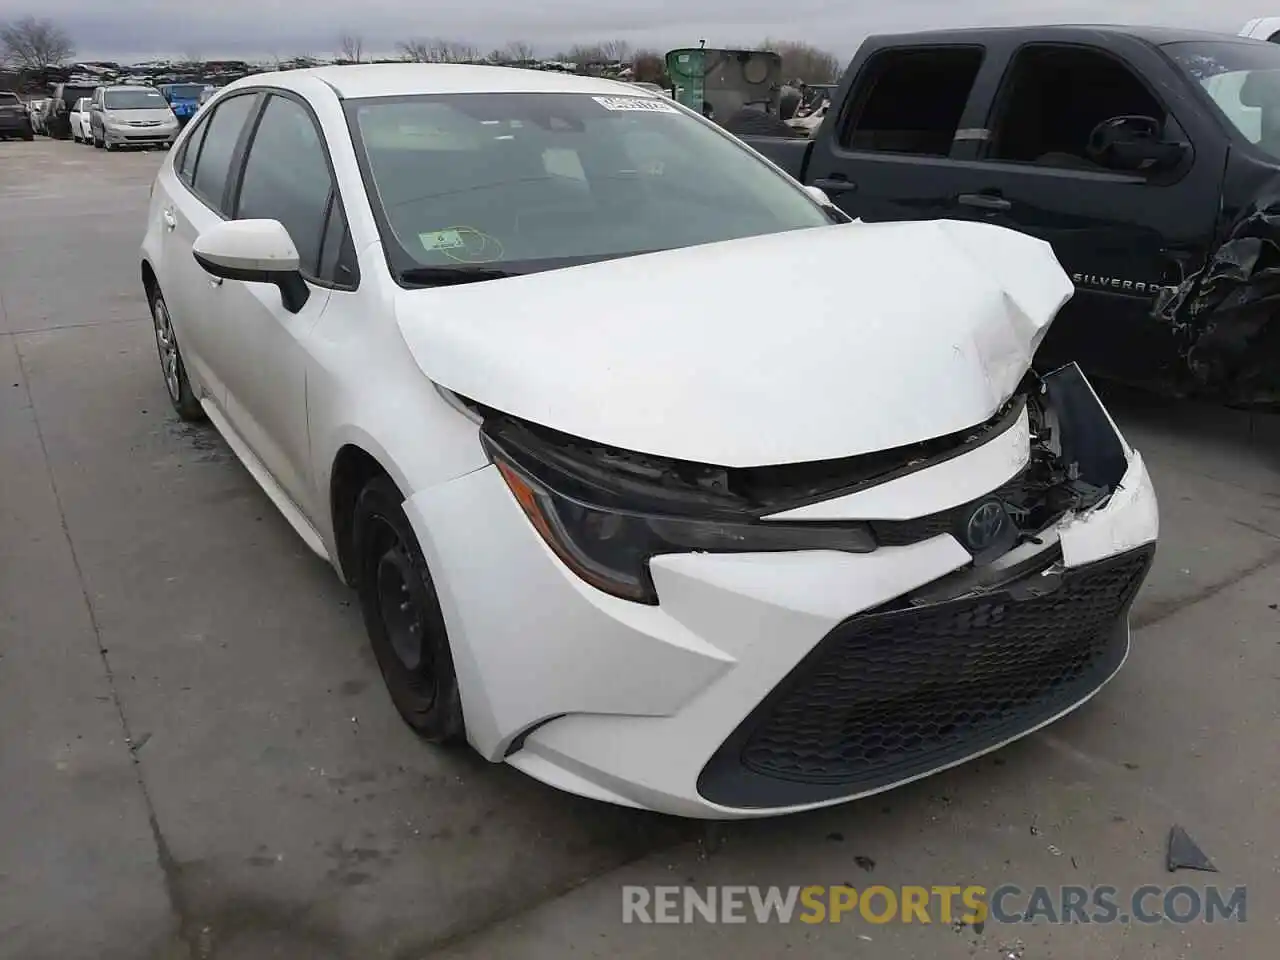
(356, 81)
(1063, 31)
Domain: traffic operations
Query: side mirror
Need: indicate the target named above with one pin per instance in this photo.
(254, 251)
(1133, 143)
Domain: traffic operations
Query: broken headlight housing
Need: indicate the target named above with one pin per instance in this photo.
(608, 542)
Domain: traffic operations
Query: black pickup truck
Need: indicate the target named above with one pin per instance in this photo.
(1148, 157)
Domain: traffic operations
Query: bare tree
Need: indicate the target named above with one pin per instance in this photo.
(415, 50)
(615, 51)
(518, 51)
(32, 43)
(438, 50)
(803, 61)
(648, 66)
(351, 46)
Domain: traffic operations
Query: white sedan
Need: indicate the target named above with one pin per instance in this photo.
(81, 132)
(504, 348)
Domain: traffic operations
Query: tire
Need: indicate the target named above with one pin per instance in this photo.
(172, 368)
(29, 136)
(402, 615)
(108, 146)
(97, 144)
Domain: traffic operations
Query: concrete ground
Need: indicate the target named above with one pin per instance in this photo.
(197, 759)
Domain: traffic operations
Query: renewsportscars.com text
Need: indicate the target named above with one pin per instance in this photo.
(972, 905)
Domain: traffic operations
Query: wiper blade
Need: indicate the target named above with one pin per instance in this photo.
(445, 276)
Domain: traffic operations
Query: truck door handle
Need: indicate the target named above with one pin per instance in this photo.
(170, 221)
(835, 185)
(985, 201)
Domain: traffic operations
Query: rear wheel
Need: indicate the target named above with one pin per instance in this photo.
(175, 372)
(402, 615)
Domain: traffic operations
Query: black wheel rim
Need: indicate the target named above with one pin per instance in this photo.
(404, 607)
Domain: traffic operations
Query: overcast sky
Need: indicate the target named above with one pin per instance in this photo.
(137, 29)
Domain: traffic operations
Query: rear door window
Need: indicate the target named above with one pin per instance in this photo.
(911, 100)
(218, 147)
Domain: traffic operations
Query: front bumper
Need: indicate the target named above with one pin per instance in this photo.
(773, 683)
(142, 136)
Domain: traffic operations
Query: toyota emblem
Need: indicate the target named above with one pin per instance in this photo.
(984, 526)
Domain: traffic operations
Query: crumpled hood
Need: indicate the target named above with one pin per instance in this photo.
(906, 331)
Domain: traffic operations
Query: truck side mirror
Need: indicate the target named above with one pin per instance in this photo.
(1134, 144)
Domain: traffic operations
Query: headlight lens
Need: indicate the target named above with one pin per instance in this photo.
(610, 548)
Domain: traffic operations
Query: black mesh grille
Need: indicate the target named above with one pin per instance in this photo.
(891, 695)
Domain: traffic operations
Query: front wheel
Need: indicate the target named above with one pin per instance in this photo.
(175, 372)
(402, 615)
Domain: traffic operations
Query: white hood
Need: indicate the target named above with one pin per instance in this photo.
(907, 331)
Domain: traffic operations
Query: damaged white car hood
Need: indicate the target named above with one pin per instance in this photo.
(908, 331)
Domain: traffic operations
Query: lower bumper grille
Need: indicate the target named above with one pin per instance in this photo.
(889, 696)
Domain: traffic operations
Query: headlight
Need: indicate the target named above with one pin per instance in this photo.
(610, 547)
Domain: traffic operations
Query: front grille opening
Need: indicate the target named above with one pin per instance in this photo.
(893, 695)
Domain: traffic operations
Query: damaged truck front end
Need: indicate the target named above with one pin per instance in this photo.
(1226, 315)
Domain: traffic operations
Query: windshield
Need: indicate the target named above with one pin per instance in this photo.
(134, 100)
(527, 182)
(1242, 79)
(183, 91)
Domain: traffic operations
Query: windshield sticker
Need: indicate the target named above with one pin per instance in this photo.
(442, 240)
(639, 104)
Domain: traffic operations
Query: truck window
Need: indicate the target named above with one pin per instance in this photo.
(1242, 79)
(1054, 96)
(911, 100)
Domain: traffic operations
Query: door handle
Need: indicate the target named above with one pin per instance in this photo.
(170, 221)
(835, 185)
(984, 201)
(215, 281)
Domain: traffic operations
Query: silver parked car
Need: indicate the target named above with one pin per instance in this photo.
(131, 116)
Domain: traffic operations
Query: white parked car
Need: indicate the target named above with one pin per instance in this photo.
(81, 132)
(502, 348)
(1262, 28)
